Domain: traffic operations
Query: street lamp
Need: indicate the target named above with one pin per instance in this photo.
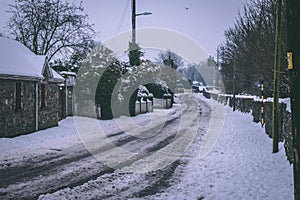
(144, 13)
(133, 16)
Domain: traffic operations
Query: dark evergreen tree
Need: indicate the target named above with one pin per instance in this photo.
(134, 54)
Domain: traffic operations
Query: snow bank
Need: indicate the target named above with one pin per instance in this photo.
(39, 143)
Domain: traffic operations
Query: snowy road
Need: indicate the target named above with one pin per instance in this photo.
(123, 161)
(193, 151)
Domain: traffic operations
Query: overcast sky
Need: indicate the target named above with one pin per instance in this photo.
(204, 21)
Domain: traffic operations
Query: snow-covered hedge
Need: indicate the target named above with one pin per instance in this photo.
(100, 65)
(106, 82)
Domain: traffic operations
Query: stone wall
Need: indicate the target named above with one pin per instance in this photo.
(14, 122)
(49, 115)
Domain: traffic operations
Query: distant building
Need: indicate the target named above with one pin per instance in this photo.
(29, 90)
(66, 100)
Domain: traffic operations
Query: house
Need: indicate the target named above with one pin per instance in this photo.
(29, 90)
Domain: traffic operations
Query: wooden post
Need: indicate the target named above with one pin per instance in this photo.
(233, 85)
(262, 104)
(275, 113)
(293, 45)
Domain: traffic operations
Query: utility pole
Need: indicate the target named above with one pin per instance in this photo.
(293, 45)
(134, 50)
(275, 113)
(133, 16)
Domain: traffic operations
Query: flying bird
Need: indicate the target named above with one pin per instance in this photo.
(186, 8)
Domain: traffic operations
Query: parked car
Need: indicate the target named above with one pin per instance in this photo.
(198, 87)
(195, 88)
(202, 89)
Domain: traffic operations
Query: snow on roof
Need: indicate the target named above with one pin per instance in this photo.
(68, 73)
(17, 60)
(56, 76)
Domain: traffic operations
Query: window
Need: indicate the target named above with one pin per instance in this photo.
(18, 96)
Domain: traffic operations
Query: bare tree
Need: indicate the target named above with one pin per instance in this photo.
(251, 42)
(170, 58)
(50, 27)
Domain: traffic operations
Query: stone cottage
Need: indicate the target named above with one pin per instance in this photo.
(29, 90)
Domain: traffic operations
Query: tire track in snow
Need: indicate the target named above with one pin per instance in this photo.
(30, 169)
(36, 174)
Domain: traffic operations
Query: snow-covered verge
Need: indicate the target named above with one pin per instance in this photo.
(241, 166)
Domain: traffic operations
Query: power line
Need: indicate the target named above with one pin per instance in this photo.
(121, 21)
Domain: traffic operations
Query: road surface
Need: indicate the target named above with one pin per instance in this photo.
(128, 163)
